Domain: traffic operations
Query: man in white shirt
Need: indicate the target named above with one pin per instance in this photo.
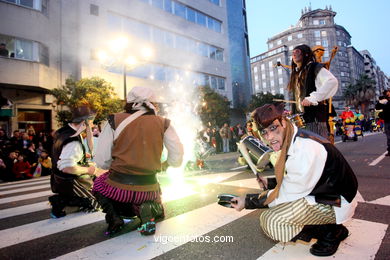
(315, 190)
(72, 176)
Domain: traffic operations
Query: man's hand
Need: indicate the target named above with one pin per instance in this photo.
(238, 203)
(306, 103)
(164, 166)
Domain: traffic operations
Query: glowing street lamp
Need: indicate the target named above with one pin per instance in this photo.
(119, 49)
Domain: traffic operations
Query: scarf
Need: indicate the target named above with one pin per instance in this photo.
(280, 164)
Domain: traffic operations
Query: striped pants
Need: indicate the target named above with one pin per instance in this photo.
(320, 128)
(82, 191)
(285, 221)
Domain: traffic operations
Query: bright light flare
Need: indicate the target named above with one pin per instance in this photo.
(131, 61)
(147, 53)
(102, 56)
(118, 45)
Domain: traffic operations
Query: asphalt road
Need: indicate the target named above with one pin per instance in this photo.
(27, 232)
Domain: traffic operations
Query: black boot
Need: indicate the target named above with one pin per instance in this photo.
(308, 233)
(149, 211)
(328, 244)
(114, 221)
(58, 204)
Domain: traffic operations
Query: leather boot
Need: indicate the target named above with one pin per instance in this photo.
(149, 211)
(58, 204)
(114, 221)
(328, 244)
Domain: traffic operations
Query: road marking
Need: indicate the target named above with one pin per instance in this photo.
(377, 160)
(382, 201)
(46, 227)
(359, 197)
(22, 183)
(25, 189)
(247, 183)
(239, 168)
(363, 243)
(5, 213)
(26, 196)
(180, 228)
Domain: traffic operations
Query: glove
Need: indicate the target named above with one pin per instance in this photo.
(252, 201)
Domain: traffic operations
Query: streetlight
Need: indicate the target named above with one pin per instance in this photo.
(120, 50)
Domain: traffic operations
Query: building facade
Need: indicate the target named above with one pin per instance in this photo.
(191, 42)
(315, 27)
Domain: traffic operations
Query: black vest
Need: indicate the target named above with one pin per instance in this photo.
(61, 138)
(337, 178)
(319, 113)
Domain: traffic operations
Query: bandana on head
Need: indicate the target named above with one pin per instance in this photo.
(140, 96)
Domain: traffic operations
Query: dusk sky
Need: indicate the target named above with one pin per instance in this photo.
(366, 21)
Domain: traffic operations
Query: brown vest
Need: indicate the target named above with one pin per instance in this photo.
(137, 150)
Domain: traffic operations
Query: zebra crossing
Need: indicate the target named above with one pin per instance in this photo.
(27, 231)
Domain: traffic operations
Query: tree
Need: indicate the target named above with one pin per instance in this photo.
(94, 91)
(261, 99)
(360, 94)
(215, 108)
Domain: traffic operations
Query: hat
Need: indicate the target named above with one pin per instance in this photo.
(318, 48)
(81, 113)
(265, 115)
(141, 95)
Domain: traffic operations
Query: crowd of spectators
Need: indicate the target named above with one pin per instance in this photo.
(25, 154)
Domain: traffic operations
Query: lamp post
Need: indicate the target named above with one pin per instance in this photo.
(119, 48)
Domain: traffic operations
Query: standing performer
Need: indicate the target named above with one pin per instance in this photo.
(315, 191)
(72, 176)
(318, 52)
(384, 104)
(311, 84)
(130, 146)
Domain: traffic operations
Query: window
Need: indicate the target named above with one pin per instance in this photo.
(323, 33)
(191, 15)
(271, 45)
(322, 22)
(256, 77)
(291, 48)
(158, 3)
(299, 36)
(179, 9)
(316, 33)
(279, 42)
(280, 81)
(338, 33)
(271, 73)
(168, 6)
(220, 54)
(257, 87)
(325, 43)
(340, 43)
(221, 83)
(316, 22)
(94, 9)
(289, 38)
(342, 73)
(280, 71)
(40, 5)
(326, 54)
(216, 2)
(255, 69)
(270, 64)
(264, 85)
(281, 90)
(201, 19)
(262, 75)
(272, 83)
(318, 42)
(213, 82)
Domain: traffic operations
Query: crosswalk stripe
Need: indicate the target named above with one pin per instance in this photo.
(381, 201)
(17, 185)
(356, 246)
(46, 227)
(133, 245)
(26, 196)
(24, 189)
(10, 212)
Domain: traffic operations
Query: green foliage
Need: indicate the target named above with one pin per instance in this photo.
(361, 93)
(94, 91)
(261, 99)
(215, 108)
